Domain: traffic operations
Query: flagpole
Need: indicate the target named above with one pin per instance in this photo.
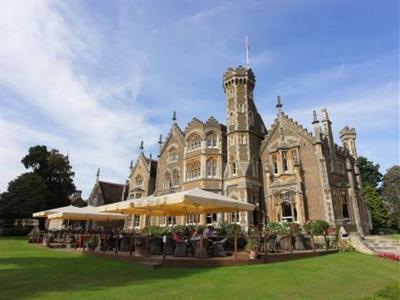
(247, 53)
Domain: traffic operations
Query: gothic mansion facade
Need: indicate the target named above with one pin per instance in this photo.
(287, 172)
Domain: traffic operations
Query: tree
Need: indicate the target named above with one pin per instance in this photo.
(379, 211)
(25, 195)
(56, 172)
(391, 192)
(369, 171)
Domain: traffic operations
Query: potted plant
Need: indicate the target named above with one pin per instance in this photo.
(251, 247)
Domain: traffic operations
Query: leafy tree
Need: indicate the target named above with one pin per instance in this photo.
(369, 171)
(391, 192)
(25, 195)
(379, 211)
(56, 172)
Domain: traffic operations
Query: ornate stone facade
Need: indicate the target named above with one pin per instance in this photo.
(288, 172)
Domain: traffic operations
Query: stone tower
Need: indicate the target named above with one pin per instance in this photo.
(245, 130)
(348, 138)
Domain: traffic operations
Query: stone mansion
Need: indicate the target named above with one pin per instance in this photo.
(287, 172)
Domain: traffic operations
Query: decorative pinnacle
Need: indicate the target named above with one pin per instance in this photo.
(174, 116)
(131, 164)
(141, 146)
(98, 174)
(315, 118)
(325, 116)
(160, 139)
(279, 104)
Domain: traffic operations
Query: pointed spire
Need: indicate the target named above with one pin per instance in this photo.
(98, 174)
(279, 104)
(317, 129)
(141, 146)
(174, 117)
(131, 165)
(160, 139)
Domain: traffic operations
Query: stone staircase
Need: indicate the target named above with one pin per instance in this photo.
(379, 244)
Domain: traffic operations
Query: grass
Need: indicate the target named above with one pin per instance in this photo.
(30, 272)
(393, 236)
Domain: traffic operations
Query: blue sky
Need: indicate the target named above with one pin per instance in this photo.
(94, 78)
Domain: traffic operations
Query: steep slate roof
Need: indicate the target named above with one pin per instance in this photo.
(112, 192)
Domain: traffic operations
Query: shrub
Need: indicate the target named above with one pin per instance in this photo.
(317, 227)
(274, 228)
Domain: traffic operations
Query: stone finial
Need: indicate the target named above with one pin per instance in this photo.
(174, 116)
(98, 174)
(315, 118)
(160, 139)
(325, 116)
(141, 147)
(278, 104)
(131, 165)
(150, 157)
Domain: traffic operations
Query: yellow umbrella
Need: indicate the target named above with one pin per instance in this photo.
(195, 201)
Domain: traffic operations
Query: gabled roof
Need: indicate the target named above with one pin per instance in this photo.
(284, 120)
(175, 128)
(112, 192)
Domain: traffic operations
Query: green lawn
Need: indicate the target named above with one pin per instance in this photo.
(394, 236)
(30, 272)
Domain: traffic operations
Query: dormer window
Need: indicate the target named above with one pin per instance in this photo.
(194, 143)
(211, 140)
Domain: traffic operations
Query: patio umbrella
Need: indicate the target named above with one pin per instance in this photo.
(87, 213)
(195, 201)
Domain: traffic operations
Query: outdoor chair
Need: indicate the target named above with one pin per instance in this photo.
(298, 244)
(169, 246)
(218, 247)
(285, 243)
(201, 253)
(155, 245)
(180, 249)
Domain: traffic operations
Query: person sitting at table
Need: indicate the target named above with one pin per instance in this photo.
(176, 237)
(208, 232)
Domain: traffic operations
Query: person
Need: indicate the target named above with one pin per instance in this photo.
(176, 237)
(208, 232)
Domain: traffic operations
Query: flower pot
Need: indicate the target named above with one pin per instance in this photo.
(253, 254)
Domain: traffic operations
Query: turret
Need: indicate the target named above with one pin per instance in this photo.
(348, 138)
(328, 135)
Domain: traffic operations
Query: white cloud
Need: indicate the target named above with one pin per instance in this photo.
(44, 48)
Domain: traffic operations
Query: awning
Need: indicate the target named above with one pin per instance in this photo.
(86, 213)
(45, 213)
(196, 201)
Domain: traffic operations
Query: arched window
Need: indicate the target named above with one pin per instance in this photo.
(241, 107)
(295, 157)
(167, 184)
(138, 181)
(243, 139)
(286, 206)
(172, 155)
(345, 208)
(211, 140)
(284, 161)
(175, 178)
(193, 170)
(194, 142)
(211, 167)
(275, 164)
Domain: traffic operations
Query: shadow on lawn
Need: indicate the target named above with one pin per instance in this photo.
(26, 277)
